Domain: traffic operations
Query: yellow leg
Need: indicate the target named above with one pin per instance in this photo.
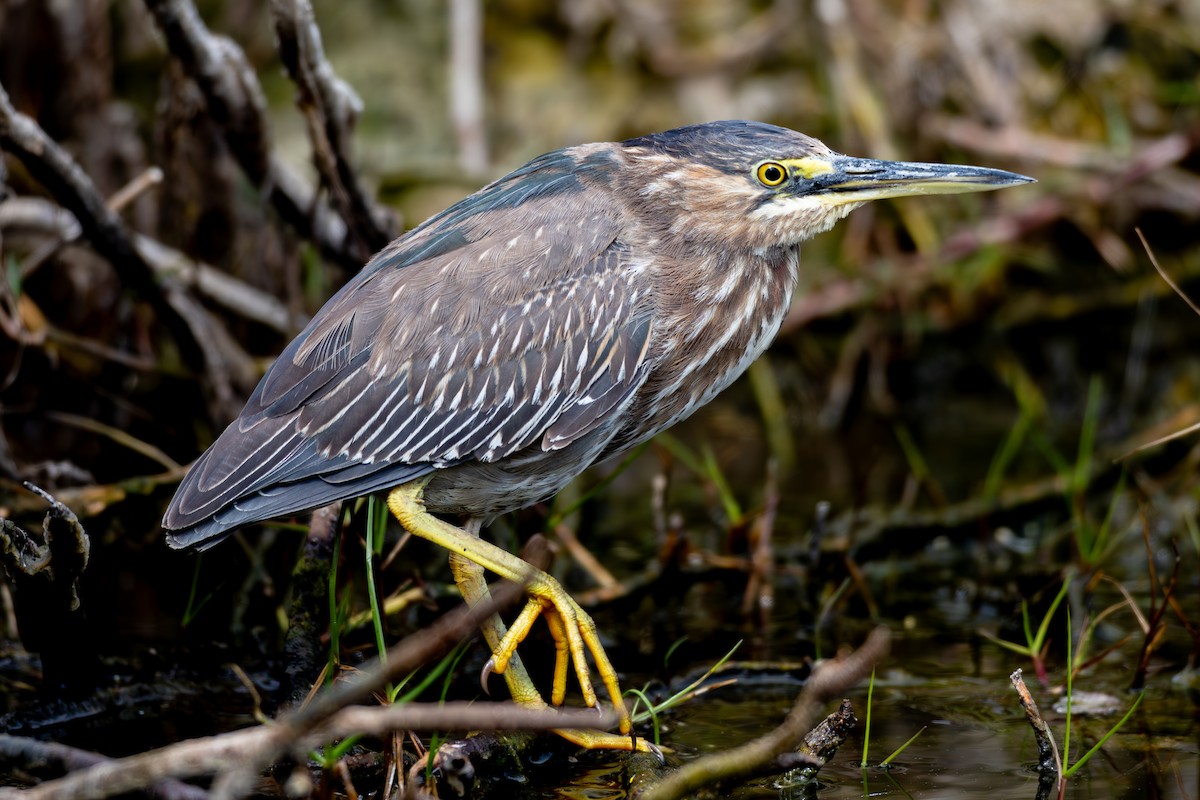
(571, 626)
(474, 589)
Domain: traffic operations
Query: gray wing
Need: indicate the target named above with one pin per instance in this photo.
(473, 337)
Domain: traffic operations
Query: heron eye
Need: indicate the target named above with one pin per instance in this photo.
(771, 174)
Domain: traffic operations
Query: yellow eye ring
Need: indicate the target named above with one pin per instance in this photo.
(771, 174)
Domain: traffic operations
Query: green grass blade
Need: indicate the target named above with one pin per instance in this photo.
(1006, 455)
(193, 607)
(328, 757)
(650, 710)
(685, 691)
(912, 454)
(1044, 628)
(372, 593)
(867, 725)
(705, 466)
(1019, 649)
(339, 610)
(712, 469)
(1082, 473)
(773, 410)
(902, 747)
(444, 666)
(1066, 754)
(1068, 772)
(1029, 639)
(671, 650)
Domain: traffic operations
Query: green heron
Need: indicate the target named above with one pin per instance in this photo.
(556, 318)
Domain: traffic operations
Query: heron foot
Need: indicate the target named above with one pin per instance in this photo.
(571, 627)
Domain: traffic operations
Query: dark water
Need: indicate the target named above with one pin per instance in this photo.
(976, 741)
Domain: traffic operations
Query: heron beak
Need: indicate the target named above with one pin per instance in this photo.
(857, 180)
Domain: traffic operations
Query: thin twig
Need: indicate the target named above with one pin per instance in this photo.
(1049, 760)
(1183, 295)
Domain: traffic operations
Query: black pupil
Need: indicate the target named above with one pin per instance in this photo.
(772, 174)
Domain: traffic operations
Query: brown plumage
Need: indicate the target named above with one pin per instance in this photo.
(557, 317)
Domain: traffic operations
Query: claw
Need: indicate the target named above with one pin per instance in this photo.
(572, 629)
(489, 667)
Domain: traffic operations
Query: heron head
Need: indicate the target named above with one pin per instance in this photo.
(754, 185)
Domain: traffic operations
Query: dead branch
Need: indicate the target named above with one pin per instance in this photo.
(33, 756)
(62, 177)
(44, 217)
(331, 109)
(235, 102)
(46, 570)
(1048, 758)
(461, 716)
(466, 83)
(308, 616)
(405, 657)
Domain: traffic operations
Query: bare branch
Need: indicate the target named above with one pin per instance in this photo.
(466, 83)
(331, 108)
(42, 216)
(1048, 759)
(55, 170)
(235, 102)
(34, 755)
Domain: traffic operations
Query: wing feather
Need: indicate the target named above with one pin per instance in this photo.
(472, 338)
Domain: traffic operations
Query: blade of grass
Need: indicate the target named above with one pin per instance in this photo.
(773, 410)
(445, 666)
(328, 757)
(902, 747)
(1019, 649)
(671, 650)
(643, 699)
(1066, 752)
(193, 607)
(687, 690)
(339, 608)
(917, 463)
(733, 510)
(435, 739)
(1006, 455)
(1099, 545)
(1044, 627)
(1112, 731)
(867, 725)
(705, 466)
(372, 592)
